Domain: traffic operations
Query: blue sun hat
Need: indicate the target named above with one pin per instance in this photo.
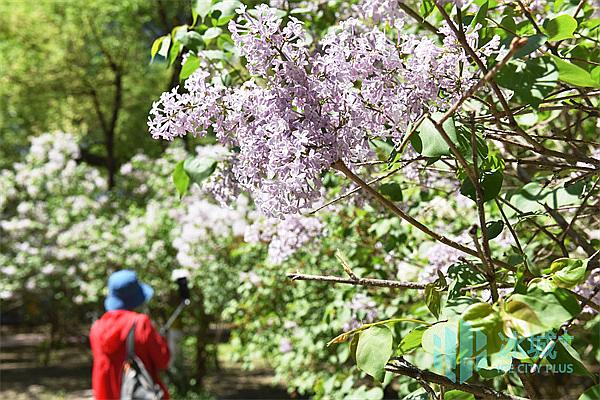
(126, 292)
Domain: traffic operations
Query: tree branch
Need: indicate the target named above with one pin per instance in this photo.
(357, 281)
(372, 282)
(402, 367)
(340, 166)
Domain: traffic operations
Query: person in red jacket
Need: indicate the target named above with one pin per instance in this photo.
(109, 334)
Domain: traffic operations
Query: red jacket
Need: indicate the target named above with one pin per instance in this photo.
(108, 336)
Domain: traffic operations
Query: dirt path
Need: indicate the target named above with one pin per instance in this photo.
(68, 375)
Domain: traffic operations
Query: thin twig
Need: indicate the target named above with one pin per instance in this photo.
(355, 190)
(563, 236)
(357, 282)
(345, 265)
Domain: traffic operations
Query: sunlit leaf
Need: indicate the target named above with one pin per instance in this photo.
(560, 28)
(181, 179)
(373, 351)
(428, 141)
(573, 74)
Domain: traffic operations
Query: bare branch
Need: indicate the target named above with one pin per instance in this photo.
(372, 282)
(357, 281)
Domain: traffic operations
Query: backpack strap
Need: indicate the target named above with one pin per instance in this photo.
(130, 344)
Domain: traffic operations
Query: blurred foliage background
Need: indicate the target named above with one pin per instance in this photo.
(83, 67)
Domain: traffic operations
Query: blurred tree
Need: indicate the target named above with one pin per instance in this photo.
(83, 67)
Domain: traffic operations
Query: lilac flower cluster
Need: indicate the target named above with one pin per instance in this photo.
(441, 257)
(222, 185)
(177, 114)
(383, 11)
(364, 311)
(586, 289)
(305, 110)
(285, 236)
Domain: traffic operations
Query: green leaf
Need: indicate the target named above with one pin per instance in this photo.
(481, 318)
(490, 182)
(458, 395)
(428, 141)
(592, 393)
(538, 311)
(350, 334)
(301, 10)
(412, 340)
(520, 286)
(508, 25)
(192, 40)
(226, 9)
(497, 363)
(391, 190)
(441, 338)
(494, 228)
(595, 74)
(456, 306)
(426, 8)
(174, 52)
(543, 284)
(373, 351)
(531, 197)
(199, 169)
(461, 275)
(375, 393)
(212, 33)
(573, 74)
(179, 33)
(156, 45)
(567, 355)
(191, 64)
(567, 272)
(201, 8)
(560, 28)
(433, 299)
(181, 179)
(353, 345)
(480, 16)
(537, 78)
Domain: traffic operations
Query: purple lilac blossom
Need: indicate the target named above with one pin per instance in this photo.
(383, 11)
(364, 311)
(285, 345)
(586, 289)
(441, 257)
(285, 236)
(312, 109)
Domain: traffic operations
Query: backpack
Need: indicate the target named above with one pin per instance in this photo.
(136, 382)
